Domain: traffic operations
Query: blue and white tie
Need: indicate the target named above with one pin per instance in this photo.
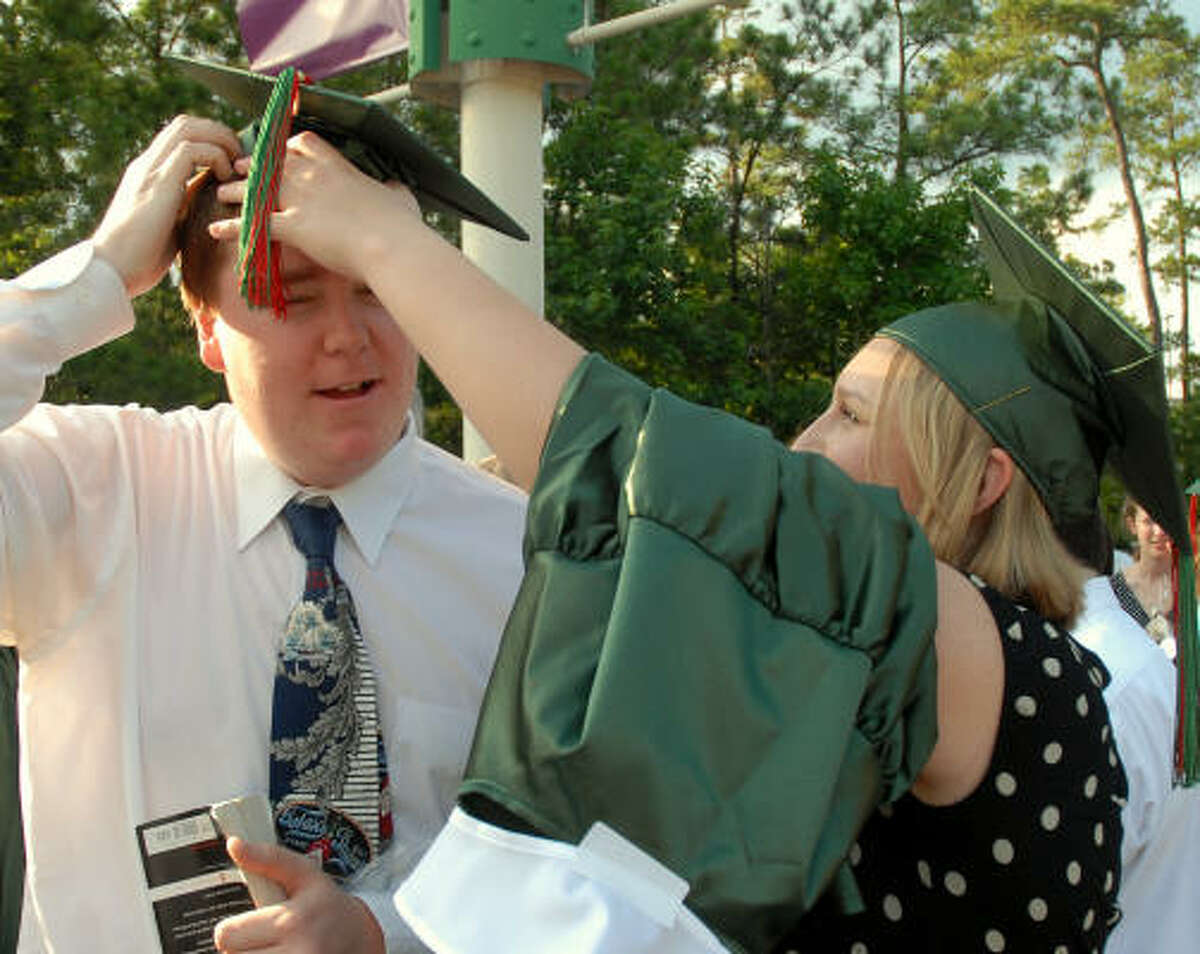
(329, 779)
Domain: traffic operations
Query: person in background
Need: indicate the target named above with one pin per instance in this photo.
(1160, 847)
(1144, 588)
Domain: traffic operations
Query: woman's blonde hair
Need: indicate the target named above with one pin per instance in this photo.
(1013, 545)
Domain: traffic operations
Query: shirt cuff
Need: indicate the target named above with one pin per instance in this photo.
(81, 299)
(532, 895)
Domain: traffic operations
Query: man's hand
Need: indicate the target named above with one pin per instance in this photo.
(317, 918)
(135, 236)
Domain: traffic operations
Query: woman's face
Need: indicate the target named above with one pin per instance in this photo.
(854, 433)
(1152, 539)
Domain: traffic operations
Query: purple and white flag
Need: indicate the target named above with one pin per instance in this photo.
(321, 37)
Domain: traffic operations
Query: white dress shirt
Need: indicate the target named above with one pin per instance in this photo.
(1160, 849)
(145, 578)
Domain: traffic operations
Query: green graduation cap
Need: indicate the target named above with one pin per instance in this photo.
(370, 136)
(1065, 385)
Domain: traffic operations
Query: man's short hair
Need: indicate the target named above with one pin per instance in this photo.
(200, 255)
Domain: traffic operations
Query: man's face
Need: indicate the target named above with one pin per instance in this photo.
(326, 391)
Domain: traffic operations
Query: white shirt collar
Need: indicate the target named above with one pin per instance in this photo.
(369, 504)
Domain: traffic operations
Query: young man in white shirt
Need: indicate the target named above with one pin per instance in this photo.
(146, 572)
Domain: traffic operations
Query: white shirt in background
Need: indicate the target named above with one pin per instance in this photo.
(1160, 850)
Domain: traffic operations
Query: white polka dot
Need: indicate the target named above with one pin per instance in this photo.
(1081, 705)
(1037, 909)
(994, 941)
(1089, 919)
(1026, 705)
(1005, 784)
(1050, 817)
(1097, 677)
(1075, 651)
(892, 909)
(1050, 630)
(1074, 872)
(1112, 757)
(1002, 850)
(858, 948)
(1061, 949)
(855, 854)
(1015, 633)
(1108, 881)
(956, 884)
(925, 874)
(1052, 753)
(1090, 786)
(1051, 667)
(1099, 834)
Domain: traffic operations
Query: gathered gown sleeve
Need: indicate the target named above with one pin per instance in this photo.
(721, 649)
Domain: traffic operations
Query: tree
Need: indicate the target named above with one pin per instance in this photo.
(83, 88)
(868, 250)
(1163, 94)
(935, 111)
(629, 230)
(1091, 39)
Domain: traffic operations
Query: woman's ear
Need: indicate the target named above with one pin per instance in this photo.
(207, 340)
(997, 476)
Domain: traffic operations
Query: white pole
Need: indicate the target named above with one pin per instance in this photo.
(501, 127)
(643, 18)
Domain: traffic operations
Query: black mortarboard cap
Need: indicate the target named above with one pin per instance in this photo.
(367, 133)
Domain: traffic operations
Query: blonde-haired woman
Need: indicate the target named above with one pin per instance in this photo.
(726, 656)
(1032, 803)
(948, 455)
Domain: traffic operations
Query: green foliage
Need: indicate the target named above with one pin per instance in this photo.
(737, 205)
(867, 250)
(83, 88)
(1185, 435)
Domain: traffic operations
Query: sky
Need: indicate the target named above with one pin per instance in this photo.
(1114, 243)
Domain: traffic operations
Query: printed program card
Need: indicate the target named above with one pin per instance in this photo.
(192, 882)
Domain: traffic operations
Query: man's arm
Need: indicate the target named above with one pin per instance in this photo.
(70, 304)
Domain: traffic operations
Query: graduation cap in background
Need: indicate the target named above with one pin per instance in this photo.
(363, 130)
(1065, 385)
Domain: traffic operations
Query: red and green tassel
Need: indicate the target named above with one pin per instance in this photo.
(258, 257)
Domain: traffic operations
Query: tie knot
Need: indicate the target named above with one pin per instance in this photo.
(314, 527)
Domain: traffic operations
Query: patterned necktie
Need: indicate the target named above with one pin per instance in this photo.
(329, 781)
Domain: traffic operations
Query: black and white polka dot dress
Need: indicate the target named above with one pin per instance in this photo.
(1030, 861)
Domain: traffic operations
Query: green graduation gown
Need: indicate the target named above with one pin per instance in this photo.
(721, 648)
